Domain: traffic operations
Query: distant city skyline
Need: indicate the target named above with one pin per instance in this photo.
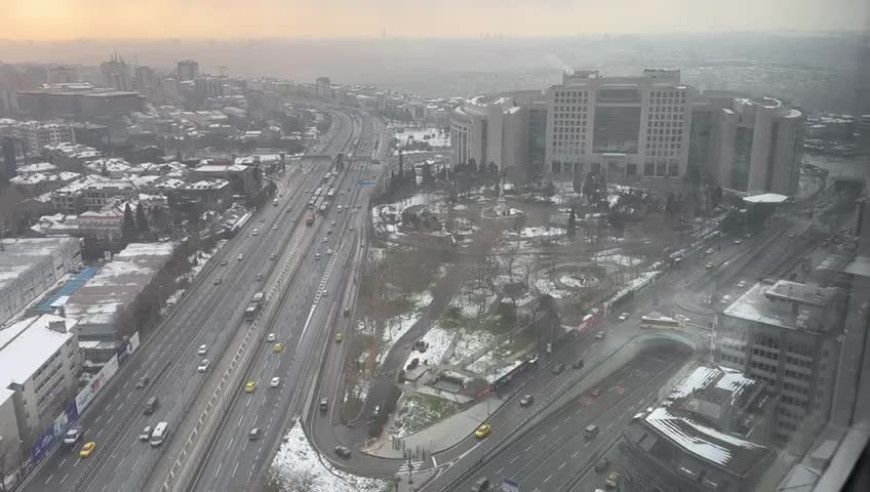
(185, 19)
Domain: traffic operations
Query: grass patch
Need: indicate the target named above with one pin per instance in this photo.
(420, 411)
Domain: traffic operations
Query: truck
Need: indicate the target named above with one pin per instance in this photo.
(309, 220)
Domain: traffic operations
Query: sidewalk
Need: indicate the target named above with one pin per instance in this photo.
(439, 436)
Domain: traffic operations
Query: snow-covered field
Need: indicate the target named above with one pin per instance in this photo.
(545, 286)
(416, 412)
(297, 460)
(435, 138)
(621, 260)
(470, 343)
(438, 340)
(540, 231)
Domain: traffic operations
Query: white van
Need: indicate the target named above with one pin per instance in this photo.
(159, 434)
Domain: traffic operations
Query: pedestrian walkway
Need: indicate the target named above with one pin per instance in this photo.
(439, 436)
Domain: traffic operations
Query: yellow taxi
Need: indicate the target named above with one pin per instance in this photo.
(339, 337)
(87, 449)
(483, 431)
(278, 348)
(249, 386)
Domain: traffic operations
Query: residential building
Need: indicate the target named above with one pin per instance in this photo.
(116, 74)
(91, 134)
(35, 135)
(244, 180)
(31, 266)
(145, 81)
(187, 70)
(495, 129)
(323, 88)
(629, 127)
(62, 75)
(788, 335)
(704, 437)
(92, 192)
(39, 369)
(747, 145)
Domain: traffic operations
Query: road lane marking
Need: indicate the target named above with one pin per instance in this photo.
(515, 458)
(77, 462)
(218, 471)
(49, 478)
(548, 478)
(62, 480)
(542, 438)
(562, 465)
(100, 431)
(555, 428)
(498, 472)
(240, 420)
(575, 454)
(528, 448)
(61, 463)
(567, 419)
(230, 443)
(235, 469)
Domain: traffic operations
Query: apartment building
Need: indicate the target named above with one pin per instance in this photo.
(789, 336)
(631, 127)
(35, 135)
(39, 369)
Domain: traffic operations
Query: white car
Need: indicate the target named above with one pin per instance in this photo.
(145, 434)
(329, 252)
(599, 335)
(325, 293)
(202, 349)
(624, 316)
(276, 381)
(203, 366)
(256, 232)
(316, 256)
(271, 337)
(240, 257)
(741, 284)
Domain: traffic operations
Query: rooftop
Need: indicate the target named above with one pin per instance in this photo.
(21, 254)
(766, 198)
(759, 304)
(27, 344)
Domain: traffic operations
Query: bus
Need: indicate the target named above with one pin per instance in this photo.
(659, 321)
(159, 434)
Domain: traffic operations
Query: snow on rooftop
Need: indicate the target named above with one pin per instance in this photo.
(730, 452)
(766, 198)
(27, 344)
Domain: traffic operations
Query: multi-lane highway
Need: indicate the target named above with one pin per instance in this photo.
(209, 314)
(551, 454)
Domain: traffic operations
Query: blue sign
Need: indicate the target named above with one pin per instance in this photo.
(365, 182)
(508, 485)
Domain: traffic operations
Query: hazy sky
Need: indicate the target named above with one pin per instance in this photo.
(65, 19)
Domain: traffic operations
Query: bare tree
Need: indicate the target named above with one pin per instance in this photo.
(510, 258)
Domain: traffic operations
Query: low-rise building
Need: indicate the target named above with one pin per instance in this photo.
(243, 179)
(30, 266)
(35, 135)
(101, 304)
(39, 369)
(90, 193)
(704, 437)
(788, 335)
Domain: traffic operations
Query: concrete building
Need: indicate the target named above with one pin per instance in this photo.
(77, 101)
(243, 179)
(145, 82)
(627, 127)
(30, 266)
(187, 70)
(39, 369)
(99, 305)
(747, 145)
(788, 335)
(495, 129)
(323, 88)
(92, 192)
(116, 74)
(62, 75)
(35, 135)
(704, 437)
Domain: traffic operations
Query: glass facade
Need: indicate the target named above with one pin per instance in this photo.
(616, 129)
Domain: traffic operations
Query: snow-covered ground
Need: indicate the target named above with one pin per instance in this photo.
(438, 340)
(545, 286)
(470, 342)
(416, 412)
(540, 231)
(396, 326)
(297, 458)
(621, 260)
(435, 138)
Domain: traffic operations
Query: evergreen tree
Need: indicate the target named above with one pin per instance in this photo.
(141, 219)
(128, 226)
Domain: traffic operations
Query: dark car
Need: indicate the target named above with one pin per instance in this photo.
(527, 400)
(578, 364)
(481, 485)
(342, 452)
(558, 368)
(255, 434)
(143, 382)
(602, 465)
